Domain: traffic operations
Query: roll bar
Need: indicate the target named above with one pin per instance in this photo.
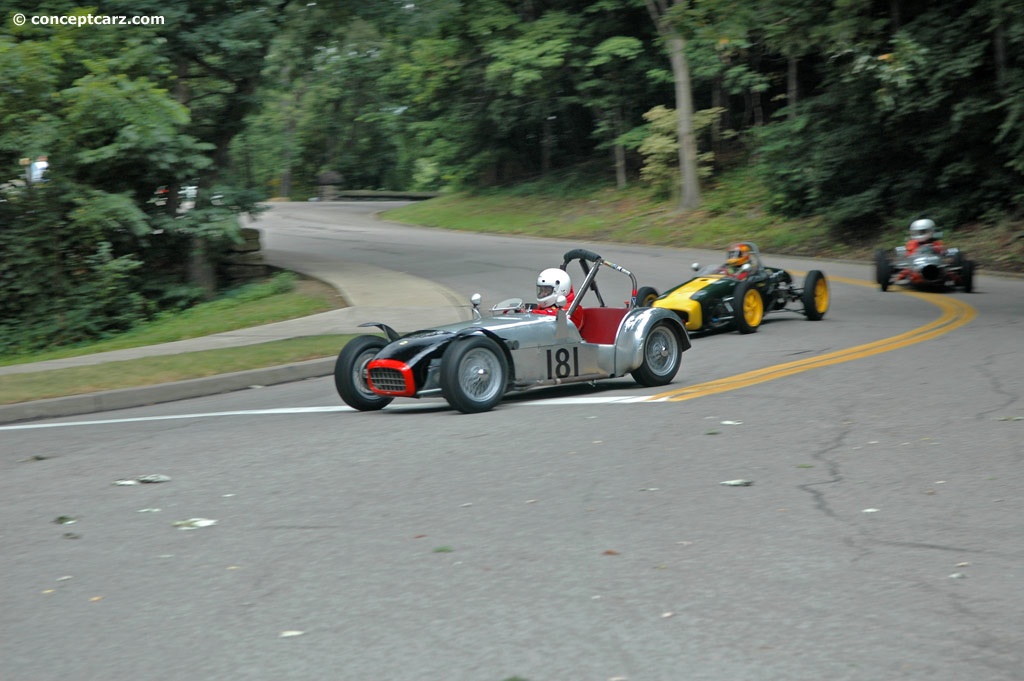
(584, 256)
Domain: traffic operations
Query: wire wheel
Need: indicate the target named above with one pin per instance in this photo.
(473, 374)
(661, 358)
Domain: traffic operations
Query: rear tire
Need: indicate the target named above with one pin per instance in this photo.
(749, 308)
(474, 374)
(883, 270)
(815, 295)
(645, 296)
(967, 276)
(350, 377)
(662, 356)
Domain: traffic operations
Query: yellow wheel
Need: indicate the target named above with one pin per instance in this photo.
(751, 308)
(816, 295)
(645, 296)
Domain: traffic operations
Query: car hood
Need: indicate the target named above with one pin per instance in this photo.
(499, 324)
(524, 329)
(716, 283)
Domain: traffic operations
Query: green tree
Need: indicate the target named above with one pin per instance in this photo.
(120, 112)
(604, 89)
(73, 246)
(910, 119)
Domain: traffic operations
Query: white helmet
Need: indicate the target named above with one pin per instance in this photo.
(552, 283)
(922, 230)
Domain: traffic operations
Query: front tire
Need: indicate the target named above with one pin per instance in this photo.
(474, 374)
(662, 356)
(815, 295)
(350, 376)
(883, 270)
(749, 308)
(645, 296)
(967, 276)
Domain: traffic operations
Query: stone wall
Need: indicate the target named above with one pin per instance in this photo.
(243, 262)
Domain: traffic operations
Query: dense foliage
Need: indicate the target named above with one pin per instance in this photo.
(864, 111)
(127, 116)
(868, 112)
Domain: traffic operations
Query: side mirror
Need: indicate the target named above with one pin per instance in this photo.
(901, 251)
(475, 301)
(695, 266)
(560, 301)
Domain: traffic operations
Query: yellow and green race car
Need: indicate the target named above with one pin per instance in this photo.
(737, 294)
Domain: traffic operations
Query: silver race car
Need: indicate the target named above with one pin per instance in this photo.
(929, 268)
(473, 364)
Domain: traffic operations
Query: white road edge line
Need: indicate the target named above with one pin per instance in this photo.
(317, 410)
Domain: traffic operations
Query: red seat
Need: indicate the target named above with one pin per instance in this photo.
(600, 324)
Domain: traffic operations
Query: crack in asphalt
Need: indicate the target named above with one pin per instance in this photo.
(833, 469)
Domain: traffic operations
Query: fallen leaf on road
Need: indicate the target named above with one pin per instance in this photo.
(193, 523)
(143, 480)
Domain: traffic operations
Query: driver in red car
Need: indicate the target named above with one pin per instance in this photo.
(922, 233)
(552, 283)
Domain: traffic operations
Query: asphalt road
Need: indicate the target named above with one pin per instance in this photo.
(578, 533)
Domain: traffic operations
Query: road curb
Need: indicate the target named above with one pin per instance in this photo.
(126, 398)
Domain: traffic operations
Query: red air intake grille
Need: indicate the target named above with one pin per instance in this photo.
(390, 377)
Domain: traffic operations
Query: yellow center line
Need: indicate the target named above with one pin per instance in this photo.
(955, 313)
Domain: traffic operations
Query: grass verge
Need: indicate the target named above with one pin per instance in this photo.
(279, 298)
(164, 369)
(733, 209)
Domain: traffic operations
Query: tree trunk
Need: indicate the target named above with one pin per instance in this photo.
(689, 190)
(689, 196)
(792, 87)
(999, 53)
(619, 152)
(200, 269)
(719, 102)
(183, 95)
(547, 143)
(285, 189)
